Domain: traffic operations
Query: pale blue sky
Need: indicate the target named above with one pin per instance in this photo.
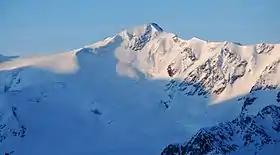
(41, 26)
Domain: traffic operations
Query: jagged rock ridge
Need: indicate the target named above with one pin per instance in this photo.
(240, 134)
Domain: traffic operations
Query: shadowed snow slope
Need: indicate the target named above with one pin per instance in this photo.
(133, 93)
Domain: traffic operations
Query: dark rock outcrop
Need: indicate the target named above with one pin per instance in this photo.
(242, 132)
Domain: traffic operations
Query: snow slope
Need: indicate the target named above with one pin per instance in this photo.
(132, 93)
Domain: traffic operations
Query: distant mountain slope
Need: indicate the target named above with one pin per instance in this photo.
(139, 91)
(6, 58)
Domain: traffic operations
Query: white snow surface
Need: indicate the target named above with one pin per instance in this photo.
(104, 98)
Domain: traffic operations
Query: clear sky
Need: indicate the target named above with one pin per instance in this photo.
(42, 26)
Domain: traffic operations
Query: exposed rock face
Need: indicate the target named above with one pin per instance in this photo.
(264, 48)
(241, 133)
(10, 125)
(211, 77)
(139, 41)
(239, 71)
(267, 81)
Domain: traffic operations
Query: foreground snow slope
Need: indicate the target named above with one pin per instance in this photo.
(132, 93)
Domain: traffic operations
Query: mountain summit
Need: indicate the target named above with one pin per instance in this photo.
(143, 91)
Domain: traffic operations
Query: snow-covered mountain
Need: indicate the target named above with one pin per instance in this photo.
(143, 91)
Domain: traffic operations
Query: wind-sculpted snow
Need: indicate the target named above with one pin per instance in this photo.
(135, 93)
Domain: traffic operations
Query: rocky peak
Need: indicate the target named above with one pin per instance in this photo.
(140, 35)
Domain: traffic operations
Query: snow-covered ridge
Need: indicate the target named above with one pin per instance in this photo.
(162, 55)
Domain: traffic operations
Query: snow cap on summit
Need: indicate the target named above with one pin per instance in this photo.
(197, 39)
(145, 28)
